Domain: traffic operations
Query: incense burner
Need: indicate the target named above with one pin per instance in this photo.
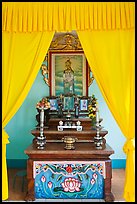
(69, 141)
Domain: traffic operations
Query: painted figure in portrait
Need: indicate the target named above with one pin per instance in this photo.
(68, 78)
(68, 71)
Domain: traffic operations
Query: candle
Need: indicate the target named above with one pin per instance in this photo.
(97, 115)
(42, 116)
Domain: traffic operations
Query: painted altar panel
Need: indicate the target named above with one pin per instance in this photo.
(69, 179)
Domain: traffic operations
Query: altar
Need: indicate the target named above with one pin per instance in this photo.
(79, 170)
(69, 156)
(57, 173)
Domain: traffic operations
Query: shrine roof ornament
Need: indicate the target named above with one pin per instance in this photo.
(66, 41)
(67, 16)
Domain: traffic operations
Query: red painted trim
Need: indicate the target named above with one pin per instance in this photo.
(86, 77)
(50, 71)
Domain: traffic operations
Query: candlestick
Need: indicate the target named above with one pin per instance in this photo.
(98, 137)
(42, 118)
(41, 139)
(97, 115)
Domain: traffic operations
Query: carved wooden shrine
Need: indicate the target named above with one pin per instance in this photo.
(69, 156)
(54, 171)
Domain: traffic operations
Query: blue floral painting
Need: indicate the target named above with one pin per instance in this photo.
(69, 181)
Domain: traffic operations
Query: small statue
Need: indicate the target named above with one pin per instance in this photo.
(61, 98)
(60, 111)
(60, 106)
(76, 111)
(76, 105)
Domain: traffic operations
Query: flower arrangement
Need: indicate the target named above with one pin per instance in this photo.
(92, 109)
(43, 103)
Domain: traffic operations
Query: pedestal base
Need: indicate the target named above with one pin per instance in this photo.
(85, 169)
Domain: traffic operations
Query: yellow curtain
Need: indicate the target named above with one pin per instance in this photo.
(66, 16)
(110, 22)
(111, 56)
(22, 55)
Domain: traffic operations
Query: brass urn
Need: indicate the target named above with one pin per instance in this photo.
(69, 141)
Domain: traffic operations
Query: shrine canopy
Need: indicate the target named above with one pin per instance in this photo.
(66, 16)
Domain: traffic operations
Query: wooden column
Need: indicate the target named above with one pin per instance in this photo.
(108, 196)
(30, 196)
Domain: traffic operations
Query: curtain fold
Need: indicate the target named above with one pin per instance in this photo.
(67, 16)
(111, 56)
(22, 55)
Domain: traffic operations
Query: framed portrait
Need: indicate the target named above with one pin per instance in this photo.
(68, 73)
(53, 104)
(84, 104)
(68, 103)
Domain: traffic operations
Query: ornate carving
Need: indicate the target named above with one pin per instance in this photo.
(90, 77)
(66, 42)
(45, 70)
(63, 42)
